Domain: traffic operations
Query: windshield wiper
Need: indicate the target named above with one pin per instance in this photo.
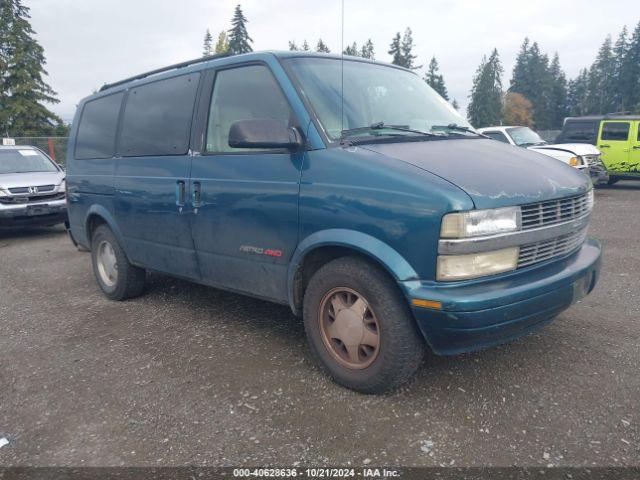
(459, 128)
(383, 126)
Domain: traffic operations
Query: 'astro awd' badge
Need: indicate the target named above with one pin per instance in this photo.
(269, 252)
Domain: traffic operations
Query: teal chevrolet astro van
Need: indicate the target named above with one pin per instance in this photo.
(348, 190)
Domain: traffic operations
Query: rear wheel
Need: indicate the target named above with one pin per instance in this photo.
(359, 326)
(612, 180)
(117, 278)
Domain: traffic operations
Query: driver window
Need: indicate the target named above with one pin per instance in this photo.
(243, 93)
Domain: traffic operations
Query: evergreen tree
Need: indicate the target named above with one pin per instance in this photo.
(395, 50)
(621, 70)
(367, 50)
(23, 91)
(601, 85)
(406, 50)
(239, 39)
(577, 94)
(305, 46)
(455, 104)
(532, 78)
(292, 46)
(485, 108)
(352, 50)
(631, 88)
(322, 47)
(435, 79)
(207, 48)
(559, 106)
(222, 45)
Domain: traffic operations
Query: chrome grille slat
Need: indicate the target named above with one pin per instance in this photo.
(548, 249)
(547, 213)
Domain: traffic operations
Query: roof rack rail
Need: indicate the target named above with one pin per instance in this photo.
(107, 86)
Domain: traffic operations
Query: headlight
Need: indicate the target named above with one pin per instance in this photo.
(462, 267)
(575, 162)
(476, 223)
(63, 186)
(3, 192)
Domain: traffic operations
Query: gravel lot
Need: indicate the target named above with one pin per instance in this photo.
(191, 375)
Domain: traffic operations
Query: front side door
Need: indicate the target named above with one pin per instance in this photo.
(245, 219)
(634, 160)
(614, 143)
(151, 204)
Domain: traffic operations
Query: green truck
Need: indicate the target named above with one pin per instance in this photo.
(616, 136)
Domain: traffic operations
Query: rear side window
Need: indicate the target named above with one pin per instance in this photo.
(96, 136)
(497, 136)
(157, 117)
(579, 132)
(615, 131)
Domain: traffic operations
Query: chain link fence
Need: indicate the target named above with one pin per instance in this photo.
(56, 147)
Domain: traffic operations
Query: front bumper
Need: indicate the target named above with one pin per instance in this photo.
(598, 174)
(480, 314)
(34, 213)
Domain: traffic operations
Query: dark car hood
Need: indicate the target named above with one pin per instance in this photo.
(493, 174)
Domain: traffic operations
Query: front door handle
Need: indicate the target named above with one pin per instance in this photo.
(637, 147)
(196, 195)
(180, 193)
(604, 146)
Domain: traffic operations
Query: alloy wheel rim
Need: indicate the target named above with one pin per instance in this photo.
(350, 330)
(107, 263)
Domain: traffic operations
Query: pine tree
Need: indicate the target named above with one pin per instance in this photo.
(239, 39)
(485, 108)
(455, 104)
(406, 49)
(632, 68)
(600, 96)
(23, 90)
(222, 45)
(322, 47)
(621, 70)
(352, 50)
(305, 46)
(435, 79)
(292, 46)
(395, 50)
(577, 94)
(367, 50)
(558, 94)
(207, 48)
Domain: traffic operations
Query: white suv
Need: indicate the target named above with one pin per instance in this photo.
(32, 188)
(582, 156)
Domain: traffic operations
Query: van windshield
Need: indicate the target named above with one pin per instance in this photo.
(375, 96)
(23, 161)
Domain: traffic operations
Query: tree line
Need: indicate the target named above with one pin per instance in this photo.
(23, 89)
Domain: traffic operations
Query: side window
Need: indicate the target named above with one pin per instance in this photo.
(497, 136)
(96, 136)
(157, 117)
(615, 131)
(579, 131)
(243, 93)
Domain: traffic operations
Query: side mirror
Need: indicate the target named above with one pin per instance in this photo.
(263, 133)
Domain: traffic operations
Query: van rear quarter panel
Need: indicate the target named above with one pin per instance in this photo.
(357, 190)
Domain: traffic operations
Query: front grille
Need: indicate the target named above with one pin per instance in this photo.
(541, 214)
(23, 199)
(23, 190)
(547, 249)
(592, 160)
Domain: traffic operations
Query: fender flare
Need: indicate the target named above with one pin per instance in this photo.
(106, 215)
(390, 259)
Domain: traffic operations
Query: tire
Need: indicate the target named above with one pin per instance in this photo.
(612, 180)
(119, 283)
(400, 346)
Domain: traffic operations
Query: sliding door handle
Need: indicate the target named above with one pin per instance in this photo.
(180, 193)
(196, 195)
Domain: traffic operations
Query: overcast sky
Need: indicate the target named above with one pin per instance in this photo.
(90, 42)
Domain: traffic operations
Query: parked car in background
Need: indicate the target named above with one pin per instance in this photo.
(32, 188)
(616, 136)
(582, 156)
(389, 228)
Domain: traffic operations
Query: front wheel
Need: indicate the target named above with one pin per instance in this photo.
(359, 326)
(612, 180)
(118, 279)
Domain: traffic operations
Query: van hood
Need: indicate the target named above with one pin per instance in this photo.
(493, 174)
(30, 179)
